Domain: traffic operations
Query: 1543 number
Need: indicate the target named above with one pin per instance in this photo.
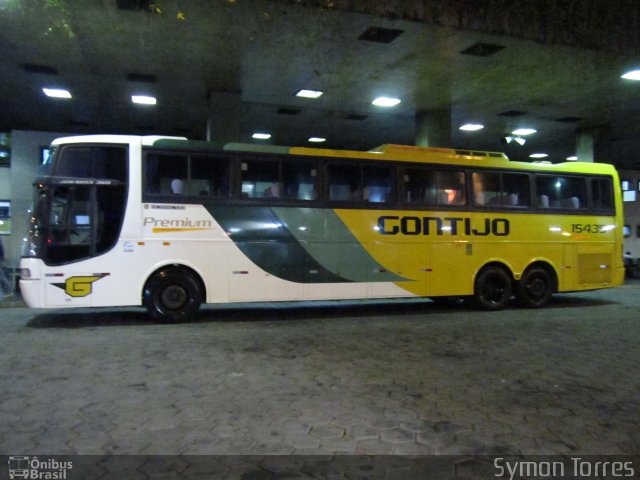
(590, 228)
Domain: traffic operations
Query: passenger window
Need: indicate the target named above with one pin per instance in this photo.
(378, 185)
(420, 186)
(516, 190)
(299, 180)
(560, 192)
(494, 189)
(486, 189)
(260, 179)
(344, 183)
(209, 177)
(602, 193)
(166, 174)
(450, 188)
(353, 183)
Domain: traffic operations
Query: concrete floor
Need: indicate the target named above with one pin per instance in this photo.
(401, 378)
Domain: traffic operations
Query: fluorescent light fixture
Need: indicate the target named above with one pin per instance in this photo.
(519, 140)
(143, 99)
(572, 158)
(471, 127)
(632, 75)
(317, 139)
(538, 155)
(261, 136)
(524, 131)
(386, 102)
(309, 93)
(57, 92)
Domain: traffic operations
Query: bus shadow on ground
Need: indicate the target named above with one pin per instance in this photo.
(279, 311)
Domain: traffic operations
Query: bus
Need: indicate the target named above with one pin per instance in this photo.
(169, 223)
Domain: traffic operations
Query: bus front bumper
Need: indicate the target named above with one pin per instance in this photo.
(31, 282)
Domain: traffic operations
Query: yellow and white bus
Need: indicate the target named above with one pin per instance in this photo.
(170, 224)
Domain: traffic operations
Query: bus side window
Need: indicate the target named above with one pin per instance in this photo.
(450, 188)
(209, 177)
(500, 189)
(378, 186)
(561, 192)
(345, 183)
(260, 179)
(420, 186)
(299, 180)
(602, 193)
(515, 190)
(486, 188)
(165, 173)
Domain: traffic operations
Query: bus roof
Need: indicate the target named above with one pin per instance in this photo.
(389, 152)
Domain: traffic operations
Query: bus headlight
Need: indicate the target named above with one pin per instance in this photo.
(25, 273)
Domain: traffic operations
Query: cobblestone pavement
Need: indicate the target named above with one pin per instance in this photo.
(364, 378)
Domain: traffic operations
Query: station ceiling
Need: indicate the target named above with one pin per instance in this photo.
(182, 51)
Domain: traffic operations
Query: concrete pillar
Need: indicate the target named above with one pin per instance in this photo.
(593, 144)
(223, 124)
(433, 128)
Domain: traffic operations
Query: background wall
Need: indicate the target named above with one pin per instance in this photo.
(632, 212)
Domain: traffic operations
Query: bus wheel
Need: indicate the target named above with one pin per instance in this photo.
(535, 288)
(492, 289)
(172, 295)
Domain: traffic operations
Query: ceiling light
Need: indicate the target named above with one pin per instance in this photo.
(57, 92)
(572, 158)
(317, 139)
(471, 127)
(509, 138)
(143, 99)
(631, 75)
(386, 102)
(261, 136)
(538, 155)
(309, 93)
(524, 131)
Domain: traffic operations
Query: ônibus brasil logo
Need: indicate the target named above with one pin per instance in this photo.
(36, 469)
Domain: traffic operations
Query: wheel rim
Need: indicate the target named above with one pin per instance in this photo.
(537, 287)
(173, 297)
(494, 290)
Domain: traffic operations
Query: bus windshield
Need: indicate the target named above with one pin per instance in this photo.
(79, 210)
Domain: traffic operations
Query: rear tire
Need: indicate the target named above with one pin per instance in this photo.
(172, 295)
(492, 288)
(535, 288)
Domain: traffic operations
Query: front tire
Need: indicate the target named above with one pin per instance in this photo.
(535, 288)
(492, 288)
(172, 295)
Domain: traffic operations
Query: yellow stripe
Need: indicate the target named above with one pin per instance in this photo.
(170, 230)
